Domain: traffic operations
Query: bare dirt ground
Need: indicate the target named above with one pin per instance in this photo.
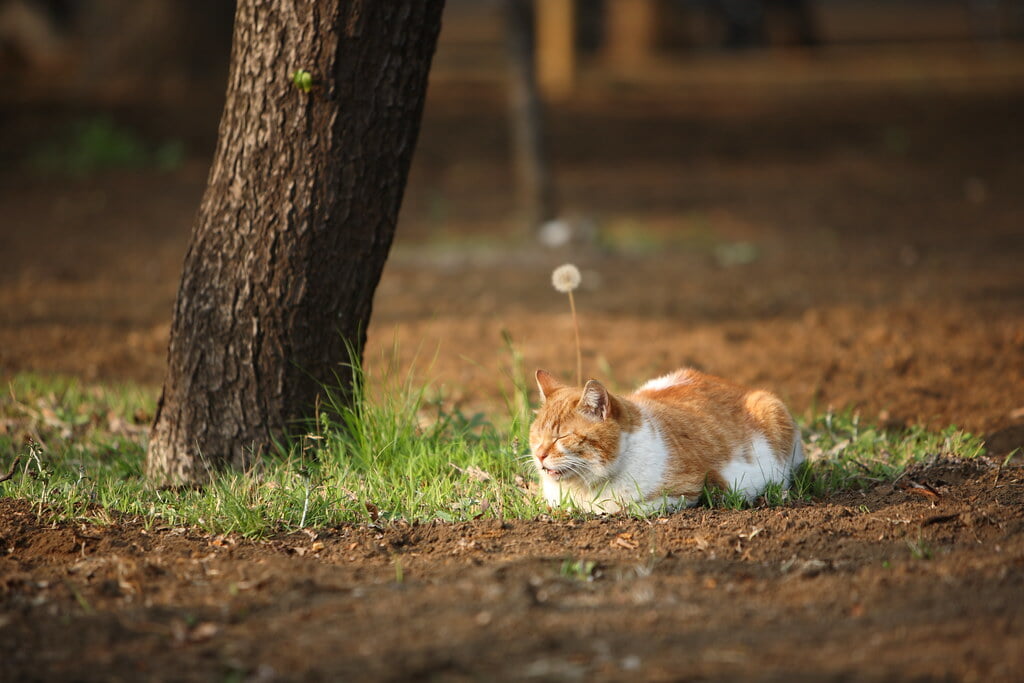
(874, 586)
(855, 244)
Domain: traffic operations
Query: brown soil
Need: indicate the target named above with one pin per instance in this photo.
(885, 276)
(880, 585)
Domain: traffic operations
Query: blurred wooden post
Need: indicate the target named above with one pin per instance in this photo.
(526, 118)
(556, 46)
(629, 30)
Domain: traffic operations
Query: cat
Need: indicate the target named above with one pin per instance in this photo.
(661, 445)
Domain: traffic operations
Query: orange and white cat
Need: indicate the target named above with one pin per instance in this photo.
(660, 445)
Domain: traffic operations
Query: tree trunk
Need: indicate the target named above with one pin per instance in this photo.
(295, 225)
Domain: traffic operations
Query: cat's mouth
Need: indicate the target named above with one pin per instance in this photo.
(553, 472)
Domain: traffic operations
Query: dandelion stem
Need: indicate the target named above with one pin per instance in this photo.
(566, 278)
(305, 500)
(576, 328)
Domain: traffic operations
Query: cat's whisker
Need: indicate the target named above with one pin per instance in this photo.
(577, 467)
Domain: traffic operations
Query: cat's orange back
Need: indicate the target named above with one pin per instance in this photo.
(705, 420)
(671, 438)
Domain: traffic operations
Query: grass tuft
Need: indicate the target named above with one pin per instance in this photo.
(395, 455)
(920, 548)
(845, 455)
(397, 452)
(583, 571)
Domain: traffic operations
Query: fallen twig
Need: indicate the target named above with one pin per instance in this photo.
(940, 519)
(917, 488)
(14, 466)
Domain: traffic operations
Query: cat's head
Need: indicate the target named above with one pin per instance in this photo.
(575, 435)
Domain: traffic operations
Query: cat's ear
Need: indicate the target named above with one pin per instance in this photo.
(595, 402)
(547, 384)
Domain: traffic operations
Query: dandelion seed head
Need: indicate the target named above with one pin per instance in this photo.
(566, 278)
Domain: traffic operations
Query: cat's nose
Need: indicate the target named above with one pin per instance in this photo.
(543, 453)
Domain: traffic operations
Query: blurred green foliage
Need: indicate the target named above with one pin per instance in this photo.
(98, 143)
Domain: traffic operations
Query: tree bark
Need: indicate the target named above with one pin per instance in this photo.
(295, 225)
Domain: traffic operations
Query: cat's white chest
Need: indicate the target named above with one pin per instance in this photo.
(639, 468)
(635, 475)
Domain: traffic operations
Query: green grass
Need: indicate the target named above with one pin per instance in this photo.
(394, 455)
(849, 455)
(846, 455)
(398, 453)
(920, 549)
(578, 570)
(97, 143)
(693, 232)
